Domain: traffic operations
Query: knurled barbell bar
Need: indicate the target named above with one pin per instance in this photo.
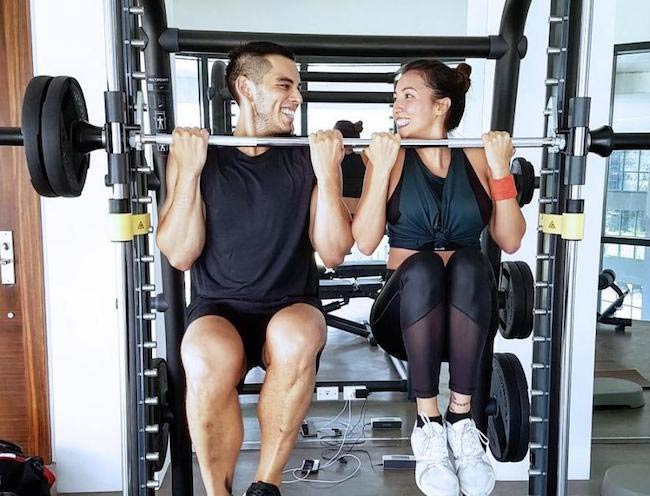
(166, 139)
(58, 139)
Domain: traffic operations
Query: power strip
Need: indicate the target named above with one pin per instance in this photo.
(398, 462)
(386, 423)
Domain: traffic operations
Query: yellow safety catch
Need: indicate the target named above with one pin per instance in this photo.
(124, 226)
(569, 226)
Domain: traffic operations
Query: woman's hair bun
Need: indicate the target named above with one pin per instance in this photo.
(464, 70)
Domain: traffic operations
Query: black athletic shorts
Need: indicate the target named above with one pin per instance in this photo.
(249, 318)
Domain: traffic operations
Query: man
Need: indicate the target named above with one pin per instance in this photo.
(247, 220)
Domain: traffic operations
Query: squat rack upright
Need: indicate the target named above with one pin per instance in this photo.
(136, 26)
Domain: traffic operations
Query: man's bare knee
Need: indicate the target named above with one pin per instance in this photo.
(213, 355)
(295, 337)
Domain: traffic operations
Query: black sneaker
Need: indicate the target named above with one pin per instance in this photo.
(262, 489)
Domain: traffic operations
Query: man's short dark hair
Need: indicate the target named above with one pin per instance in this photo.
(249, 60)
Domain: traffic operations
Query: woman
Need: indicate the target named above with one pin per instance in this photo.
(353, 166)
(437, 301)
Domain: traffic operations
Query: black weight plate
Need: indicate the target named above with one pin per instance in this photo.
(504, 426)
(494, 316)
(510, 283)
(31, 129)
(158, 442)
(519, 446)
(518, 300)
(64, 107)
(524, 173)
(525, 327)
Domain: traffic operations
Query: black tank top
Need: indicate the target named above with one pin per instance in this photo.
(257, 245)
(427, 212)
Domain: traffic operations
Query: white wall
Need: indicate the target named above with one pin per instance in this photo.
(80, 270)
(380, 17)
(631, 21)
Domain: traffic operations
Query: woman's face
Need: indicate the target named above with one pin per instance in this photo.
(415, 109)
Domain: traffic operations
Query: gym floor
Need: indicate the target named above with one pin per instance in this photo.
(348, 357)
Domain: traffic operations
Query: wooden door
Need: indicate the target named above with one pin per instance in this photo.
(24, 407)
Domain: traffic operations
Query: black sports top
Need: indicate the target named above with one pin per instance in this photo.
(257, 245)
(353, 170)
(427, 212)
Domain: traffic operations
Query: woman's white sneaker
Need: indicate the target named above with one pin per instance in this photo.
(434, 473)
(475, 472)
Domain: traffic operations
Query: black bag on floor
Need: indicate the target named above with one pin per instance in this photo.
(22, 475)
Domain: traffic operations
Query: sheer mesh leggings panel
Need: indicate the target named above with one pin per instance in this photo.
(469, 289)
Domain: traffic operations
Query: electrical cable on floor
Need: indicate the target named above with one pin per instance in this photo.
(338, 457)
(352, 444)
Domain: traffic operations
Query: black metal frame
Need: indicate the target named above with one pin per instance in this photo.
(508, 48)
(340, 46)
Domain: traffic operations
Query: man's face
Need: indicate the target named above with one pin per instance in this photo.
(277, 97)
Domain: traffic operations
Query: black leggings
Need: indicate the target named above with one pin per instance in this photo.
(428, 313)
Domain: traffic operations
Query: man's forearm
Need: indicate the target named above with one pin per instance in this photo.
(332, 231)
(181, 234)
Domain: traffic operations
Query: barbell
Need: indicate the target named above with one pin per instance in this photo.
(58, 139)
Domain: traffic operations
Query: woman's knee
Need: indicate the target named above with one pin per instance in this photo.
(422, 283)
(470, 270)
(471, 283)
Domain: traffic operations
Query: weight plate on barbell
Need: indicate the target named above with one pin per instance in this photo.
(508, 429)
(31, 130)
(64, 107)
(524, 175)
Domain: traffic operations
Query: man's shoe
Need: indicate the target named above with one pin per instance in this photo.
(434, 473)
(473, 467)
(262, 489)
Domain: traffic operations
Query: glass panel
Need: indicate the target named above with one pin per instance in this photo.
(639, 252)
(613, 223)
(628, 223)
(643, 182)
(627, 251)
(630, 180)
(644, 163)
(631, 161)
(615, 177)
(640, 225)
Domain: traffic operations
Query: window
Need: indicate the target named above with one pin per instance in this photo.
(627, 204)
(628, 170)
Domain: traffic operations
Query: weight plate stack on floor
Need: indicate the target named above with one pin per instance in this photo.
(509, 429)
(158, 441)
